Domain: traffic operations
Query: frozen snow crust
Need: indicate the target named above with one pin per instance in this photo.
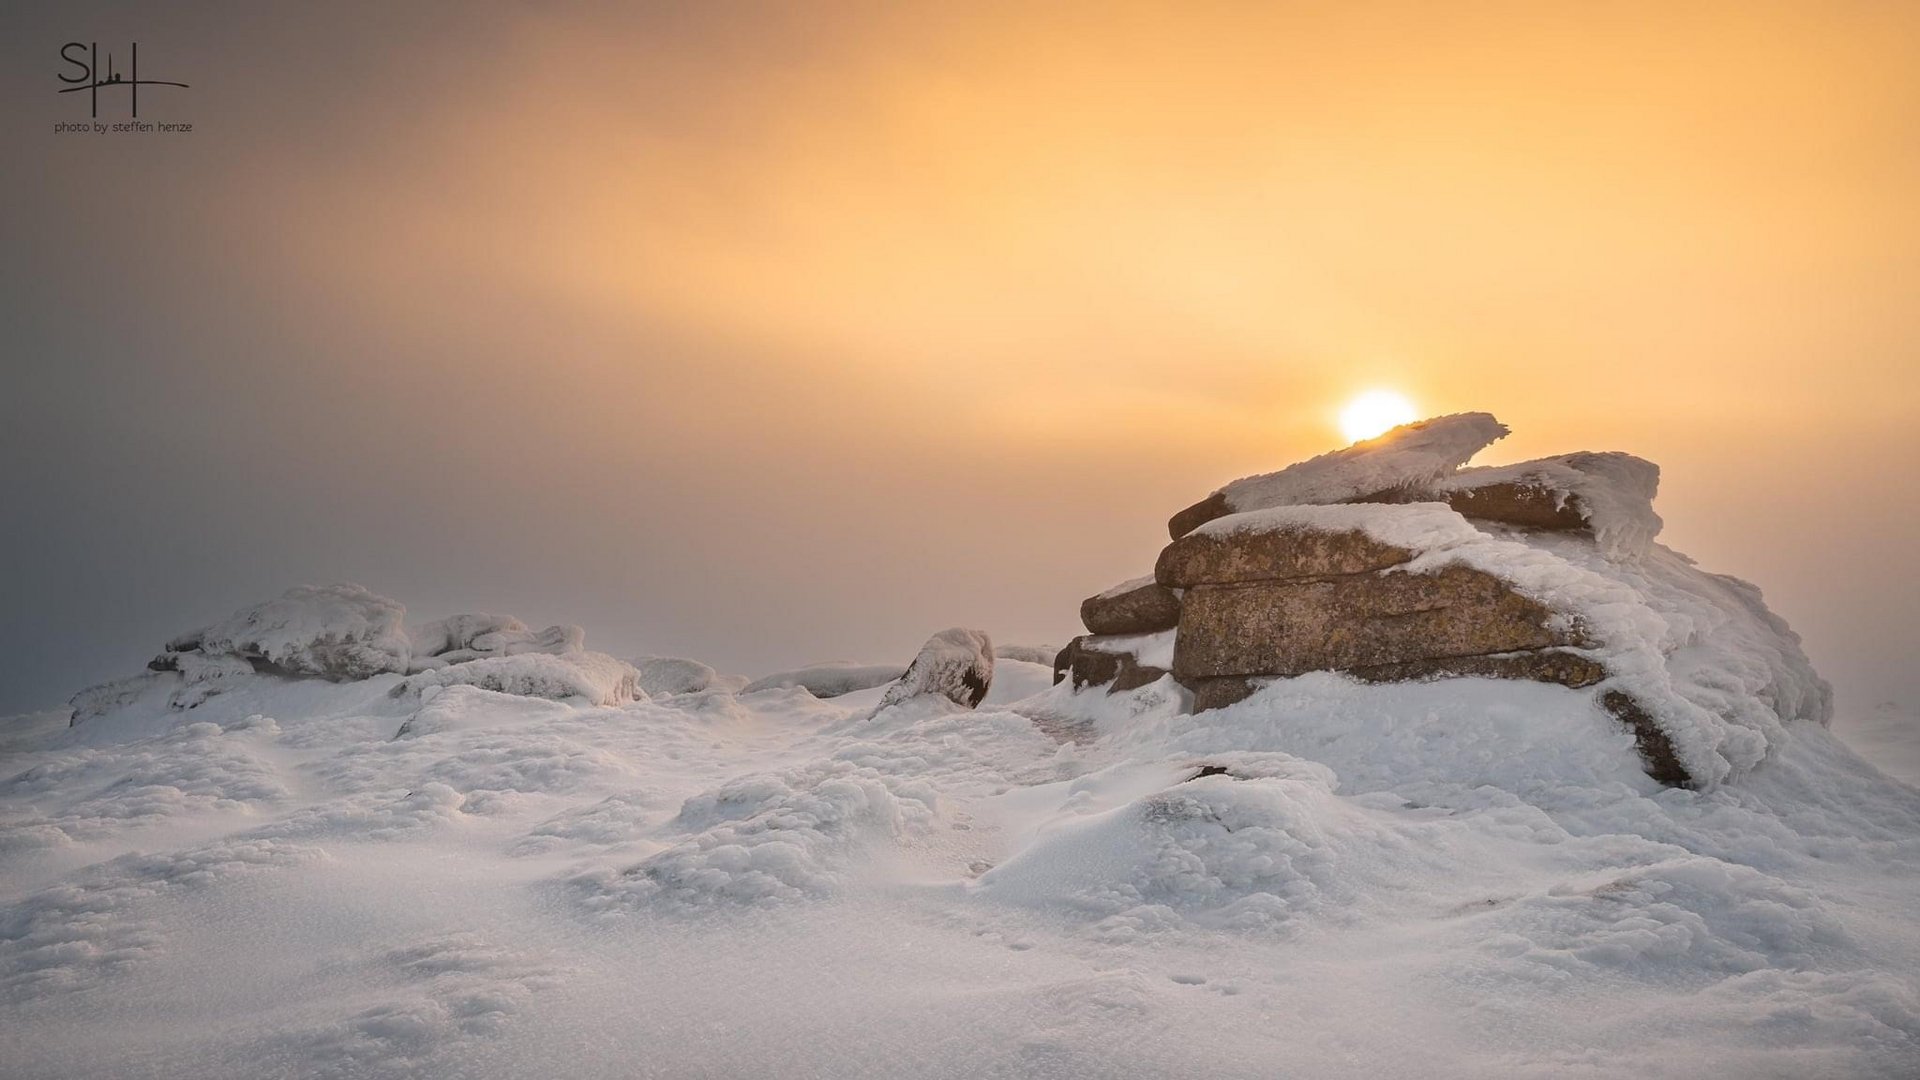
(1463, 878)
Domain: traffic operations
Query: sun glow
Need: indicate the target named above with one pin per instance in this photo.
(1375, 413)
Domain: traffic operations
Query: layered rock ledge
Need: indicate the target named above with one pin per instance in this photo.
(1389, 562)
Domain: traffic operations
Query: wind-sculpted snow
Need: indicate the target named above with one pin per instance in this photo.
(452, 989)
(1247, 842)
(613, 824)
(1694, 915)
(105, 919)
(767, 838)
(85, 794)
(1458, 879)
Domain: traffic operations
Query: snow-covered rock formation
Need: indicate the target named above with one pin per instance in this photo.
(347, 633)
(1387, 562)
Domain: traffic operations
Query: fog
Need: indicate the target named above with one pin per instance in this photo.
(775, 334)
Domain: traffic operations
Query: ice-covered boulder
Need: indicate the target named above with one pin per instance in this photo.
(333, 631)
(828, 680)
(663, 675)
(956, 664)
(1412, 457)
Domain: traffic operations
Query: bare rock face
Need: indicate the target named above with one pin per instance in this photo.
(1656, 749)
(956, 664)
(1210, 558)
(1140, 606)
(1207, 509)
(1355, 621)
(1531, 506)
(1564, 666)
(1222, 692)
(1097, 660)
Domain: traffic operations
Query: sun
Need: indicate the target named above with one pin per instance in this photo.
(1375, 413)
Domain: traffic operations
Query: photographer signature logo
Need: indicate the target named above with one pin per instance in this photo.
(92, 78)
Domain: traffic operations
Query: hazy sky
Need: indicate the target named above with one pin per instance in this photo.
(771, 334)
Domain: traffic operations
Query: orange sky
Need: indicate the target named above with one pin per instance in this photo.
(779, 303)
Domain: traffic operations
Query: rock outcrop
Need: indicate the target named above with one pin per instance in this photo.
(1388, 562)
(334, 632)
(348, 633)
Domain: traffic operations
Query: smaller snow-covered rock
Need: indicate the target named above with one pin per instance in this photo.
(1140, 606)
(956, 664)
(334, 631)
(662, 675)
(597, 677)
(456, 632)
(1120, 662)
(828, 680)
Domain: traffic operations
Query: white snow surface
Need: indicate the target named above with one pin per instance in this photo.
(1717, 671)
(1411, 457)
(1459, 879)
(1616, 489)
